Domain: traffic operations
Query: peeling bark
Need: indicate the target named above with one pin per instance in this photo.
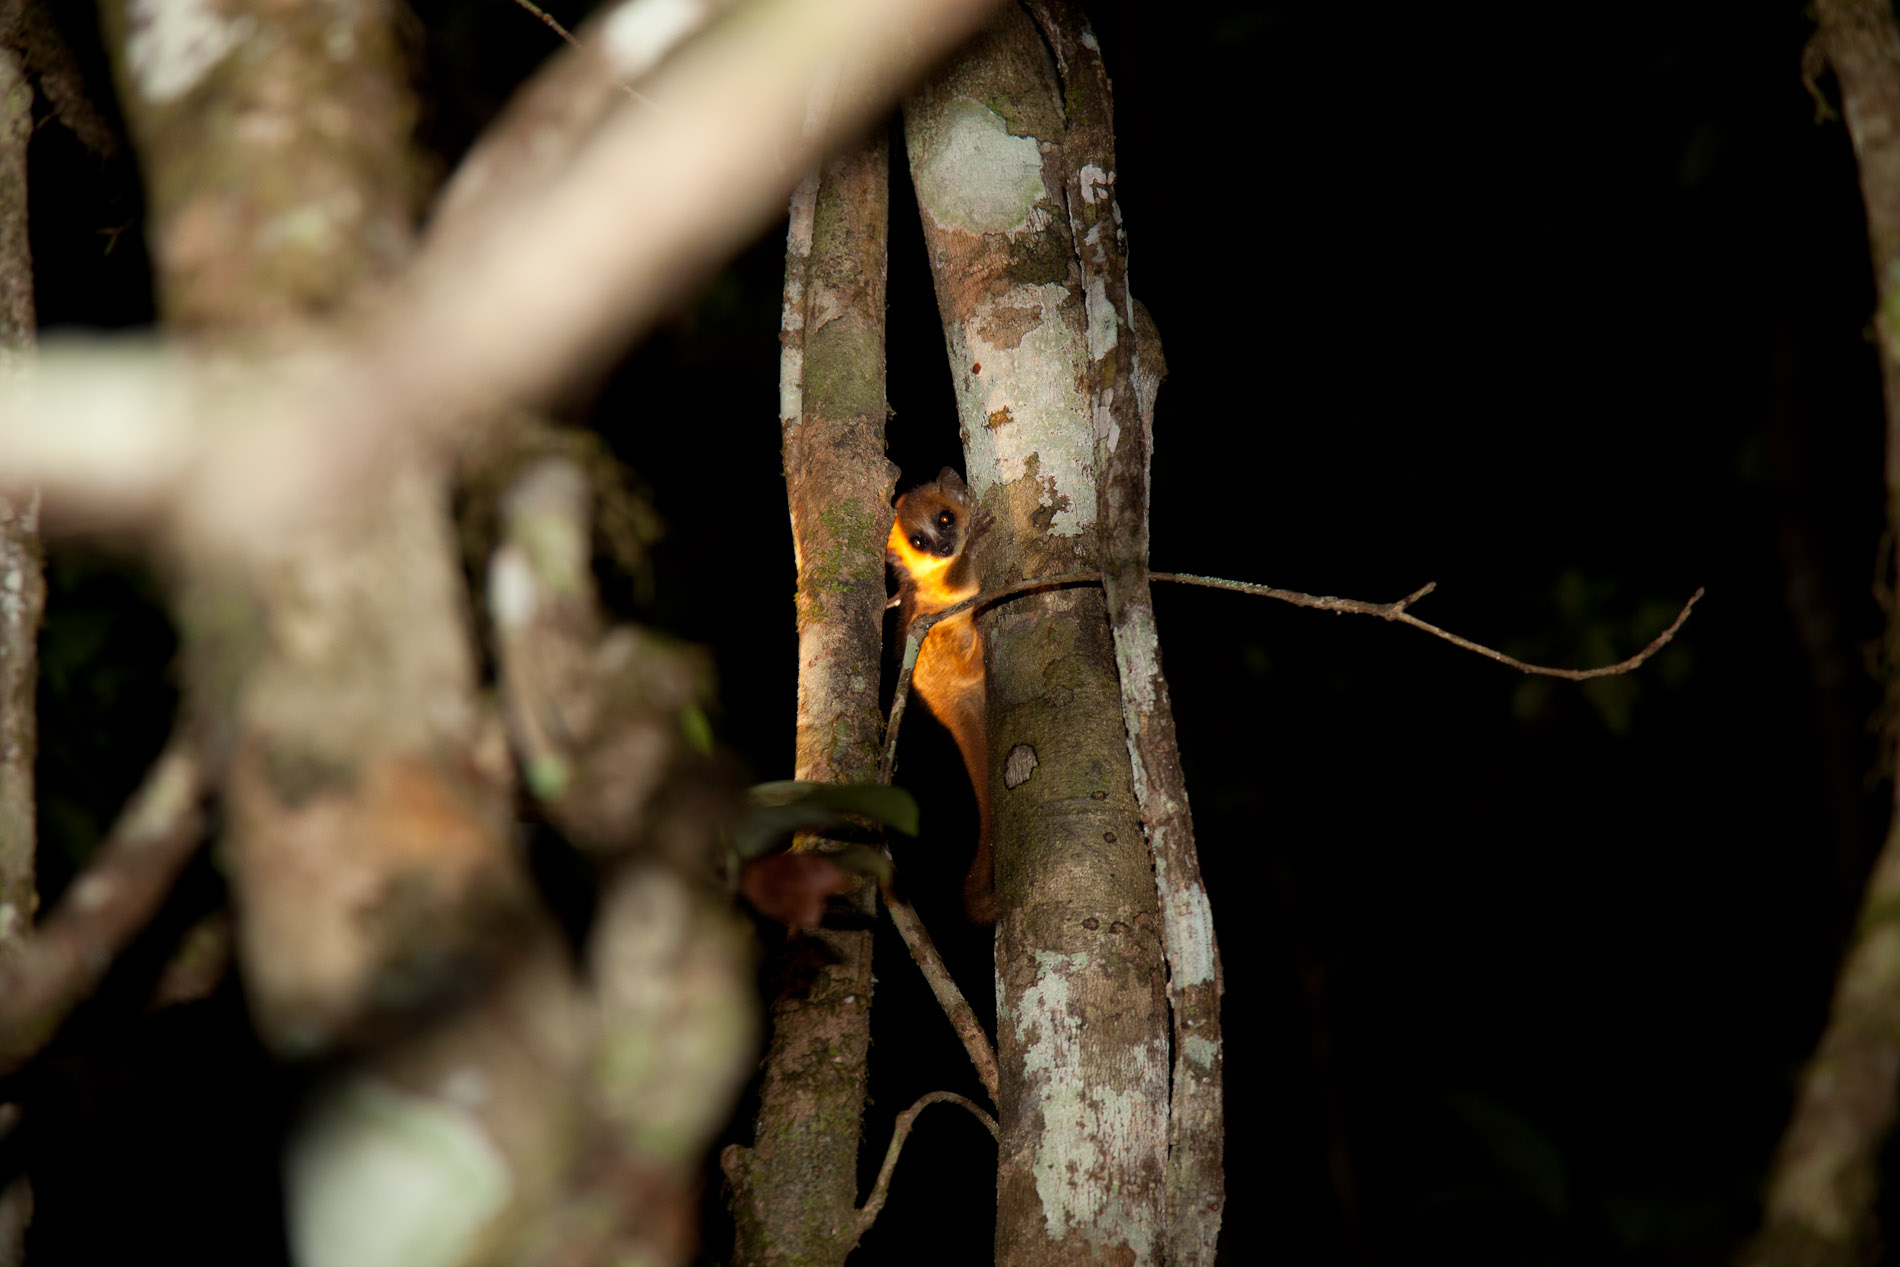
(795, 1190)
(1082, 1022)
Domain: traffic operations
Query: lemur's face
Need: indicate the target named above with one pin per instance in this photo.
(934, 518)
(933, 525)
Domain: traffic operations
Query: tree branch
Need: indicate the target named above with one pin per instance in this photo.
(106, 906)
(503, 310)
(1398, 611)
(874, 1204)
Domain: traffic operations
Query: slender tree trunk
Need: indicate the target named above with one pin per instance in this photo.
(1124, 353)
(1082, 1022)
(22, 601)
(795, 1190)
(1821, 1191)
(22, 584)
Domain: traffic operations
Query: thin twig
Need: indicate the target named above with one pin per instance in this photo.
(548, 18)
(874, 1203)
(956, 1008)
(920, 627)
(929, 962)
(1397, 611)
(106, 907)
(567, 35)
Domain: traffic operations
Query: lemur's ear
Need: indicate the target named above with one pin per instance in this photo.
(950, 479)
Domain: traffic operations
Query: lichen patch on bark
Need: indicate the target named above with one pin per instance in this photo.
(977, 177)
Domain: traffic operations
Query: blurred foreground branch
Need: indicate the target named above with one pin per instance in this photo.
(500, 311)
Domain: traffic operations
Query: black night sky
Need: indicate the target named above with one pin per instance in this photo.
(1563, 307)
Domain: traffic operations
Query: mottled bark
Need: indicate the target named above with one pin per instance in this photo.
(67, 957)
(657, 1050)
(1082, 1021)
(22, 584)
(1819, 1205)
(795, 1190)
(22, 600)
(1125, 372)
(596, 715)
(368, 812)
(534, 294)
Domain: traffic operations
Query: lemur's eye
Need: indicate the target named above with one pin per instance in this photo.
(919, 543)
(945, 519)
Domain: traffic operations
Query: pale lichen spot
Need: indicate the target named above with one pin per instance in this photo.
(173, 43)
(1201, 1052)
(1033, 361)
(1077, 1180)
(1191, 946)
(378, 1177)
(1095, 183)
(639, 34)
(1020, 764)
(1103, 329)
(977, 177)
(511, 589)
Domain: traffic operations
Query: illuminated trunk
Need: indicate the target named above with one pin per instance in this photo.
(1082, 1021)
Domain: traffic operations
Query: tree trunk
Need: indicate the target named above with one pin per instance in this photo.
(795, 1190)
(1082, 1023)
(22, 602)
(1820, 1198)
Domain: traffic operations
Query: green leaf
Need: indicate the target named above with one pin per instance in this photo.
(891, 807)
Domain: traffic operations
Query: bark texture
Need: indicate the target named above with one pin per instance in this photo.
(22, 598)
(1082, 1022)
(368, 812)
(22, 584)
(1125, 372)
(795, 1190)
(1820, 1197)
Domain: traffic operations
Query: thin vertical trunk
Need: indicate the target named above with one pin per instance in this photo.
(795, 1190)
(22, 600)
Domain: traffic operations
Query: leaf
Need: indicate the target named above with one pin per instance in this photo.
(892, 807)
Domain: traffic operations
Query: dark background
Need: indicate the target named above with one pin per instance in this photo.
(1563, 307)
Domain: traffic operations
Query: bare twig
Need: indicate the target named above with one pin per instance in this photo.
(105, 907)
(955, 1007)
(1397, 611)
(549, 20)
(874, 1203)
(920, 627)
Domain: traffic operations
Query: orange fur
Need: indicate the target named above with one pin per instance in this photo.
(929, 547)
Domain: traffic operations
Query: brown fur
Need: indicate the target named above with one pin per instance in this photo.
(930, 549)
